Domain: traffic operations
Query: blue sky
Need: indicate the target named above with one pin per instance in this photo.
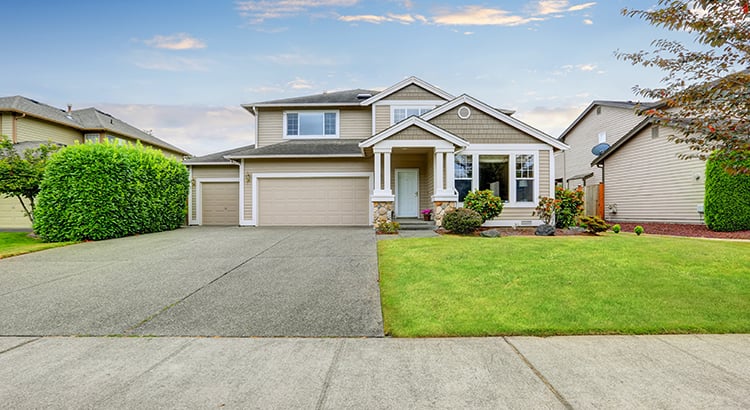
(182, 68)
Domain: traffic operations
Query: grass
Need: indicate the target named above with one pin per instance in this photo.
(612, 284)
(18, 243)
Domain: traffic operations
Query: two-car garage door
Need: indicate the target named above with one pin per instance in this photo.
(313, 201)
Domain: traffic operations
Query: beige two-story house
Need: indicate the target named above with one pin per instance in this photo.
(361, 157)
(28, 123)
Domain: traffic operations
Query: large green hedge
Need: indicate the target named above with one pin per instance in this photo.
(727, 201)
(102, 191)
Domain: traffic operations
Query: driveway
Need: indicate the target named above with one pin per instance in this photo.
(199, 281)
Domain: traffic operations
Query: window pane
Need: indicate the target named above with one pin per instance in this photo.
(412, 111)
(524, 166)
(525, 190)
(399, 114)
(462, 166)
(463, 186)
(330, 120)
(494, 174)
(292, 124)
(310, 123)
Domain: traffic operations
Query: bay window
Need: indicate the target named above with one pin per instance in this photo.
(311, 124)
(511, 176)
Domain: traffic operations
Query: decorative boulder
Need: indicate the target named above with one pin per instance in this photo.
(490, 233)
(545, 230)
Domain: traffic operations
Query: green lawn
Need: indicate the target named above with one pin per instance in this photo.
(18, 243)
(612, 284)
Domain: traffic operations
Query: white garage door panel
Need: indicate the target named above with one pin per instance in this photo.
(221, 203)
(314, 201)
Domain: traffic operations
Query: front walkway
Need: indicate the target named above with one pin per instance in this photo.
(583, 372)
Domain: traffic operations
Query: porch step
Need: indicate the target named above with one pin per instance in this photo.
(414, 224)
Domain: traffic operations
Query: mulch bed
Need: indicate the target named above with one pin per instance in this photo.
(696, 231)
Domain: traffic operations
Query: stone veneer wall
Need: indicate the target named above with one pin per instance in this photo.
(440, 209)
(382, 212)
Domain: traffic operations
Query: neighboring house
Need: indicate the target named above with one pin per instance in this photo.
(646, 181)
(362, 157)
(30, 123)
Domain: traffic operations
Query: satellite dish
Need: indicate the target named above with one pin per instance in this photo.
(599, 148)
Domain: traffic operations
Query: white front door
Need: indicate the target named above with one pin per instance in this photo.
(407, 193)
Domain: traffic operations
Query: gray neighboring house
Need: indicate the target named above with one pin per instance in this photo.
(364, 157)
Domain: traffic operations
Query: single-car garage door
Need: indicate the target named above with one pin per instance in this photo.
(314, 201)
(220, 203)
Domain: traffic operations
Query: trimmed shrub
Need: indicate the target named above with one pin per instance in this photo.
(638, 230)
(616, 228)
(485, 203)
(594, 224)
(569, 206)
(727, 200)
(103, 191)
(462, 220)
(388, 227)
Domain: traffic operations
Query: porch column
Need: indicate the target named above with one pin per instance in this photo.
(439, 171)
(378, 179)
(387, 174)
(450, 171)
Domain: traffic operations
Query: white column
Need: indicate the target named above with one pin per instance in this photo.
(449, 171)
(439, 186)
(378, 180)
(387, 174)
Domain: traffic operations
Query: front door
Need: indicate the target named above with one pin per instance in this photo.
(407, 193)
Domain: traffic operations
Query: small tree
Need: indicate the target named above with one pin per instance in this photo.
(705, 93)
(21, 174)
(485, 203)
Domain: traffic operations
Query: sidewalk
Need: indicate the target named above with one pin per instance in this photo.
(682, 371)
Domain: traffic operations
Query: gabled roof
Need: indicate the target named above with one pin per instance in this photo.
(632, 133)
(336, 98)
(216, 158)
(507, 119)
(403, 84)
(630, 105)
(418, 122)
(302, 148)
(87, 119)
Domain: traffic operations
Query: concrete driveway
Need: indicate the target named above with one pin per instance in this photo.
(226, 281)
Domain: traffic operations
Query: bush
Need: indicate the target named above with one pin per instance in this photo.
(727, 198)
(389, 227)
(594, 224)
(546, 209)
(638, 230)
(569, 206)
(616, 228)
(485, 203)
(102, 191)
(462, 220)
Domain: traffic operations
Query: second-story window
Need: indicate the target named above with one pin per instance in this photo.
(311, 124)
(399, 114)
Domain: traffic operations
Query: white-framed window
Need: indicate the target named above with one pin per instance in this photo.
(510, 175)
(311, 124)
(91, 137)
(115, 140)
(400, 113)
(602, 136)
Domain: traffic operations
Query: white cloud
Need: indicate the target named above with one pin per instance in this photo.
(390, 17)
(588, 22)
(552, 120)
(300, 84)
(258, 11)
(480, 16)
(199, 130)
(586, 67)
(544, 7)
(179, 41)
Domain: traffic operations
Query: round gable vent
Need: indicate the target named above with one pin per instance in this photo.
(464, 113)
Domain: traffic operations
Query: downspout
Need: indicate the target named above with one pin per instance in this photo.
(14, 131)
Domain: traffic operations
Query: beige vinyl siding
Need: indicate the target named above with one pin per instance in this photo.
(415, 161)
(354, 123)
(559, 164)
(616, 122)
(544, 174)
(5, 125)
(413, 133)
(11, 214)
(32, 129)
(649, 183)
(481, 128)
(382, 117)
(413, 92)
(298, 166)
(216, 171)
(517, 214)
